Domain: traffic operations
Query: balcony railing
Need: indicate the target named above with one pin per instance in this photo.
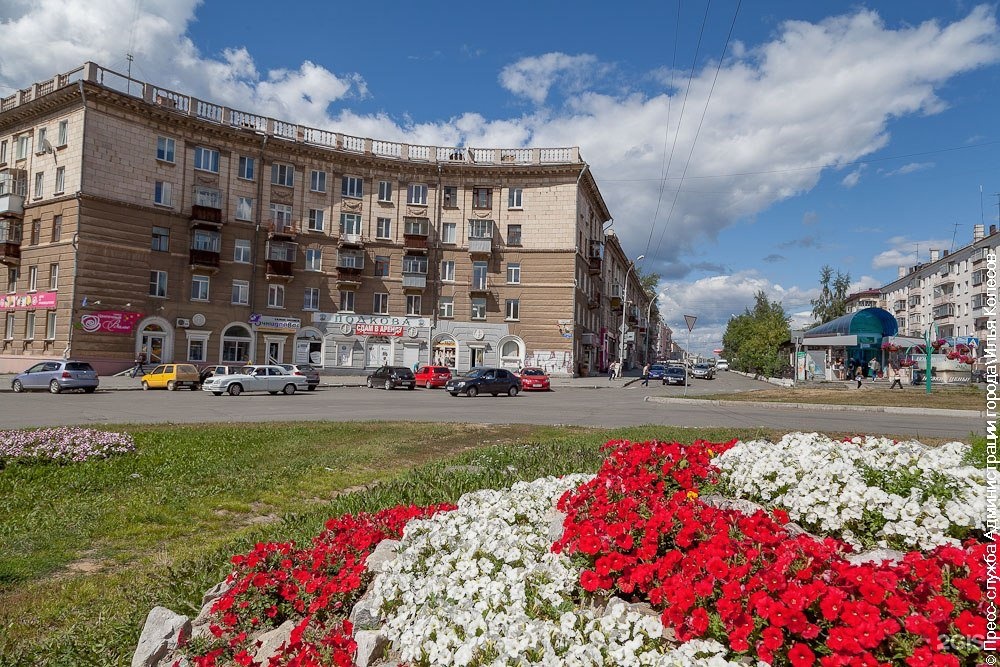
(208, 258)
(350, 239)
(277, 268)
(481, 246)
(479, 286)
(10, 253)
(595, 265)
(281, 228)
(349, 275)
(414, 280)
(200, 213)
(12, 205)
(415, 241)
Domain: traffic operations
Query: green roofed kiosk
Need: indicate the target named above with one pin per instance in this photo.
(835, 347)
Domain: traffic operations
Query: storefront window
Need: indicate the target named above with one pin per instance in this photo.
(236, 345)
(444, 353)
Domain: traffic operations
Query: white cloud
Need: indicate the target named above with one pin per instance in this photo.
(853, 178)
(533, 77)
(904, 251)
(910, 168)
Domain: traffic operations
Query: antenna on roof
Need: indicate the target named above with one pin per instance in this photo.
(128, 72)
(953, 234)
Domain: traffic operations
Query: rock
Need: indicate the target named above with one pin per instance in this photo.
(556, 527)
(164, 631)
(201, 622)
(743, 506)
(384, 552)
(215, 592)
(364, 615)
(271, 641)
(371, 647)
(875, 556)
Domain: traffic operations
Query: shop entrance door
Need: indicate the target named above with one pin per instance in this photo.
(153, 344)
(378, 354)
(275, 351)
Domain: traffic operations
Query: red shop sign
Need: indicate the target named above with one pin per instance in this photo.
(378, 330)
(28, 300)
(109, 321)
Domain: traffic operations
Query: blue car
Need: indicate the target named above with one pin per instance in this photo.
(656, 371)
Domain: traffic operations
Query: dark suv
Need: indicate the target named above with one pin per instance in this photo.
(390, 377)
(491, 381)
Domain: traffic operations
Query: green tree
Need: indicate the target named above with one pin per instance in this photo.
(832, 300)
(650, 282)
(752, 339)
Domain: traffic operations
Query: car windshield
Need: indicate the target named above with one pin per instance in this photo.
(475, 372)
(246, 370)
(532, 371)
(76, 366)
(675, 371)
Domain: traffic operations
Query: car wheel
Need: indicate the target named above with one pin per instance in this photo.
(217, 393)
(89, 390)
(512, 392)
(171, 385)
(493, 394)
(289, 389)
(54, 387)
(388, 384)
(195, 387)
(412, 386)
(145, 386)
(273, 393)
(17, 386)
(235, 389)
(429, 385)
(453, 393)
(312, 387)
(471, 392)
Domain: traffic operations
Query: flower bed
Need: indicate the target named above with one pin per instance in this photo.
(63, 445)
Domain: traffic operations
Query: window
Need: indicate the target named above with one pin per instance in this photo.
(347, 302)
(514, 198)
(450, 199)
(50, 325)
(448, 270)
(60, 180)
(161, 239)
(479, 308)
(165, 149)
(384, 191)
(381, 266)
(349, 259)
(158, 283)
(12, 276)
(314, 259)
(446, 307)
(415, 226)
(352, 186)
(3, 152)
(415, 264)
(416, 193)
(513, 234)
(32, 278)
(281, 216)
(350, 223)
(29, 326)
(8, 332)
(380, 304)
(196, 349)
(282, 174)
(482, 197)
(316, 219)
(449, 232)
(513, 311)
(206, 159)
(236, 344)
(241, 292)
(22, 145)
(317, 181)
(199, 288)
(275, 296)
(241, 251)
(514, 274)
(244, 208)
(479, 275)
(53, 276)
(310, 300)
(42, 132)
(383, 228)
(480, 229)
(63, 137)
(413, 304)
(36, 232)
(39, 184)
(161, 193)
(247, 168)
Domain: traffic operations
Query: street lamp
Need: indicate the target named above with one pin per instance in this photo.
(621, 347)
(649, 312)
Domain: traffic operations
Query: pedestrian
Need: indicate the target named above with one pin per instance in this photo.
(874, 366)
(140, 359)
(645, 375)
(859, 375)
(894, 374)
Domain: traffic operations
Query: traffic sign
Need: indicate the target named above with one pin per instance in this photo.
(689, 320)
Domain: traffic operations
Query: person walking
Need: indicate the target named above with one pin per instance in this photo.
(874, 366)
(645, 375)
(859, 375)
(894, 374)
(611, 371)
(140, 359)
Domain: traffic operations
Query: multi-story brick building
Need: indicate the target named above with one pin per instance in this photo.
(138, 219)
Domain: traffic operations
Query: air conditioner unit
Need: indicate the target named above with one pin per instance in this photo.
(183, 323)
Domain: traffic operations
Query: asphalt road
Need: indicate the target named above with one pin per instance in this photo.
(578, 405)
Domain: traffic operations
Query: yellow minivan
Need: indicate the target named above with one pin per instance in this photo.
(172, 376)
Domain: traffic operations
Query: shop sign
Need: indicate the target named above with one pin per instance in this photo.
(110, 322)
(28, 301)
(271, 323)
(378, 330)
(385, 320)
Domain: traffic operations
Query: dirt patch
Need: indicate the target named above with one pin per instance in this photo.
(958, 398)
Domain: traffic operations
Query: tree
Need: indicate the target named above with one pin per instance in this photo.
(832, 300)
(649, 282)
(752, 339)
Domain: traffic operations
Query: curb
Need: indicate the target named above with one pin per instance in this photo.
(943, 412)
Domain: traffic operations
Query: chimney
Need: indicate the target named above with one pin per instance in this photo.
(934, 255)
(993, 230)
(944, 253)
(901, 272)
(977, 233)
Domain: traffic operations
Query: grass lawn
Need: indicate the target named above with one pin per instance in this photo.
(87, 549)
(956, 398)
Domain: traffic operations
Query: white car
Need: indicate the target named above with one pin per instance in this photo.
(272, 379)
(722, 364)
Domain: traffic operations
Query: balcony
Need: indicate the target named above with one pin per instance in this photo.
(278, 269)
(281, 229)
(351, 240)
(206, 216)
(11, 206)
(10, 253)
(589, 339)
(416, 281)
(415, 242)
(594, 267)
(480, 287)
(899, 305)
(204, 258)
(349, 275)
(481, 245)
(594, 302)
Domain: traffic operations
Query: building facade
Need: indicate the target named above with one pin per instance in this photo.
(136, 219)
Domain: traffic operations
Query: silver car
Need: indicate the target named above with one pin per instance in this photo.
(57, 376)
(272, 379)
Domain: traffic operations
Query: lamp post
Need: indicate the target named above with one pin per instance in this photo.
(649, 312)
(621, 346)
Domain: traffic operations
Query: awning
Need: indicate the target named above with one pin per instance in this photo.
(873, 321)
(831, 341)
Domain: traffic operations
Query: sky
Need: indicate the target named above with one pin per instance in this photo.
(739, 146)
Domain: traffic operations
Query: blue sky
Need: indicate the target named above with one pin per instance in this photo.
(829, 133)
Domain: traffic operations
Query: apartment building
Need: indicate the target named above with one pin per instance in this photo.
(134, 218)
(948, 293)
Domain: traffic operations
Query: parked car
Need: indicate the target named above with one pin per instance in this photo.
(493, 381)
(722, 364)
(675, 375)
(656, 371)
(57, 376)
(172, 377)
(432, 376)
(534, 378)
(272, 379)
(390, 377)
(978, 375)
(309, 372)
(209, 371)
(703, 371)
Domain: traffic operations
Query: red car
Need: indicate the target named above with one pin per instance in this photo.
(534, 379)
(432, 376)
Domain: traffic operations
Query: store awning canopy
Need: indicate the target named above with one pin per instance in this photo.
(867, 322)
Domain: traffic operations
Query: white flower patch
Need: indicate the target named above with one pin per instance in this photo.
(919, 496)
(480, 586)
